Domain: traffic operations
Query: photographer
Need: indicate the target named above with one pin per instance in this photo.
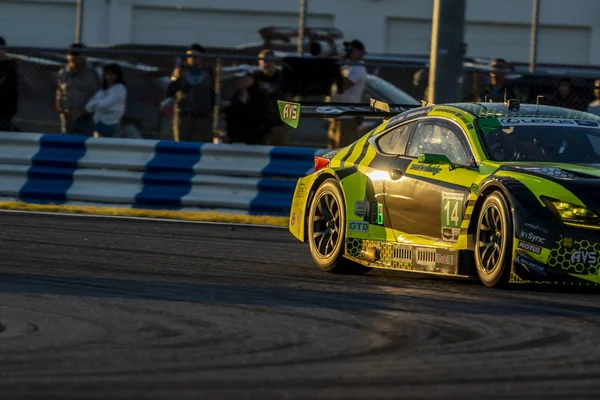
(192, 84)
(343, 131)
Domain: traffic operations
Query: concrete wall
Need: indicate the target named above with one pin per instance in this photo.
(569, 29)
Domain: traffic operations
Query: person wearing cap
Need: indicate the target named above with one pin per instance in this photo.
(9, 89)
(343, 131)
(270, 79)
(192, 85)
(77, 83)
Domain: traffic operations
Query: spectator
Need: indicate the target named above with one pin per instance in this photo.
(76, 84)
(192, 84)
(245, 116)
(108, 104)
(270, 80)
(9, 89)
(344, 131)
(564, 96)
(498, 87)
(594, 106)
(421, 81)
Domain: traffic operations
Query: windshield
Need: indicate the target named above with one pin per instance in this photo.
(391, 93)
(541, 139)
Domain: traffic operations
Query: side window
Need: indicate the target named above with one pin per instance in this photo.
(438, 139)
(394, 141)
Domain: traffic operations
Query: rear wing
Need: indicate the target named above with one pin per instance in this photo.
(290, 111)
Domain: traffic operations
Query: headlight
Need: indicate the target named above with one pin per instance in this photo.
(571, 213)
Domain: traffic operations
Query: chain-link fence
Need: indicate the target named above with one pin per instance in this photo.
(150, 112)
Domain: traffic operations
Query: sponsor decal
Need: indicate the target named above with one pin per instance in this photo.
(333, 110)
(446, 259)
(536, 227)
(299, 222)
(446, 110)
(397, 119)
(300, 190)
(450, 234)
(426, 168)
(358, 226)
(530, 247)
(532, 237)
(586, 257)
(293, 220)
(531, 265)
(361, 208)
(330, 110)
(412, 114)
(567, 242)
(513, 121)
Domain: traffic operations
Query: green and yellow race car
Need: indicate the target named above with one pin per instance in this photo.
(506, 192)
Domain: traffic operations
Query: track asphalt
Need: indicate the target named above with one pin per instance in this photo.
(102, 308)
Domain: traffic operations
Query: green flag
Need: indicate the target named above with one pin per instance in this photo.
(289, 112)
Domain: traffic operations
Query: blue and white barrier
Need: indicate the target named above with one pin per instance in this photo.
(72, 169)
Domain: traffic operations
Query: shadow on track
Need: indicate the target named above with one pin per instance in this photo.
(270, 296)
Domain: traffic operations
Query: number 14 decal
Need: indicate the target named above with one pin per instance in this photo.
(452, 210)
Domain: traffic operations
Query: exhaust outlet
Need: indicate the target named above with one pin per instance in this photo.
(371, 254)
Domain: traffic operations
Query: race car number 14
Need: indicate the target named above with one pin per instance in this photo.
(451, 210)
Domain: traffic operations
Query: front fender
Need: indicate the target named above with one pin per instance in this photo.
(527, 209)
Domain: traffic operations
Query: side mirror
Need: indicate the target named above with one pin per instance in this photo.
(439, 159)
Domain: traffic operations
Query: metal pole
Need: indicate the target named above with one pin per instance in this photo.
(535, 18)
(301, 27)
(217, 108)
(446, 58)
(79, 21)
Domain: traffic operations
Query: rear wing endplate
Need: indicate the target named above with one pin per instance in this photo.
(290, 111)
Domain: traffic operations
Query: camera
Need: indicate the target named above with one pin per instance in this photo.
(328, 49)
(306, 76)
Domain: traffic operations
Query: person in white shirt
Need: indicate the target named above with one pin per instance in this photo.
(108, 104)
(344, 131)
(594, 106)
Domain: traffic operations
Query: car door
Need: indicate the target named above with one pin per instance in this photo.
(428, 199)
(389, 145)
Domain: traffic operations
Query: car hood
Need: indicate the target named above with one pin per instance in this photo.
(583, 180)
(557, 170)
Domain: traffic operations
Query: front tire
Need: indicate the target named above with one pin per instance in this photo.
(494, 238)
(327, 230)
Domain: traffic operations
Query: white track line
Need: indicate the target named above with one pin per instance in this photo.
(142, 218)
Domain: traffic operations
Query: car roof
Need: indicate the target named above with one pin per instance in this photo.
(487, 110)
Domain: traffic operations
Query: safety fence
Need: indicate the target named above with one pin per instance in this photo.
(392, 78)
(150, 174)
(149, 113)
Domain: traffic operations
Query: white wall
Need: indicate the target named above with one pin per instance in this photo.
(569, 29)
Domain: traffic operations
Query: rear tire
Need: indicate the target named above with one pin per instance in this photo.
(327, 230)
(493, 241)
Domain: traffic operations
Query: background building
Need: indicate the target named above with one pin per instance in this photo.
(569, 29)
